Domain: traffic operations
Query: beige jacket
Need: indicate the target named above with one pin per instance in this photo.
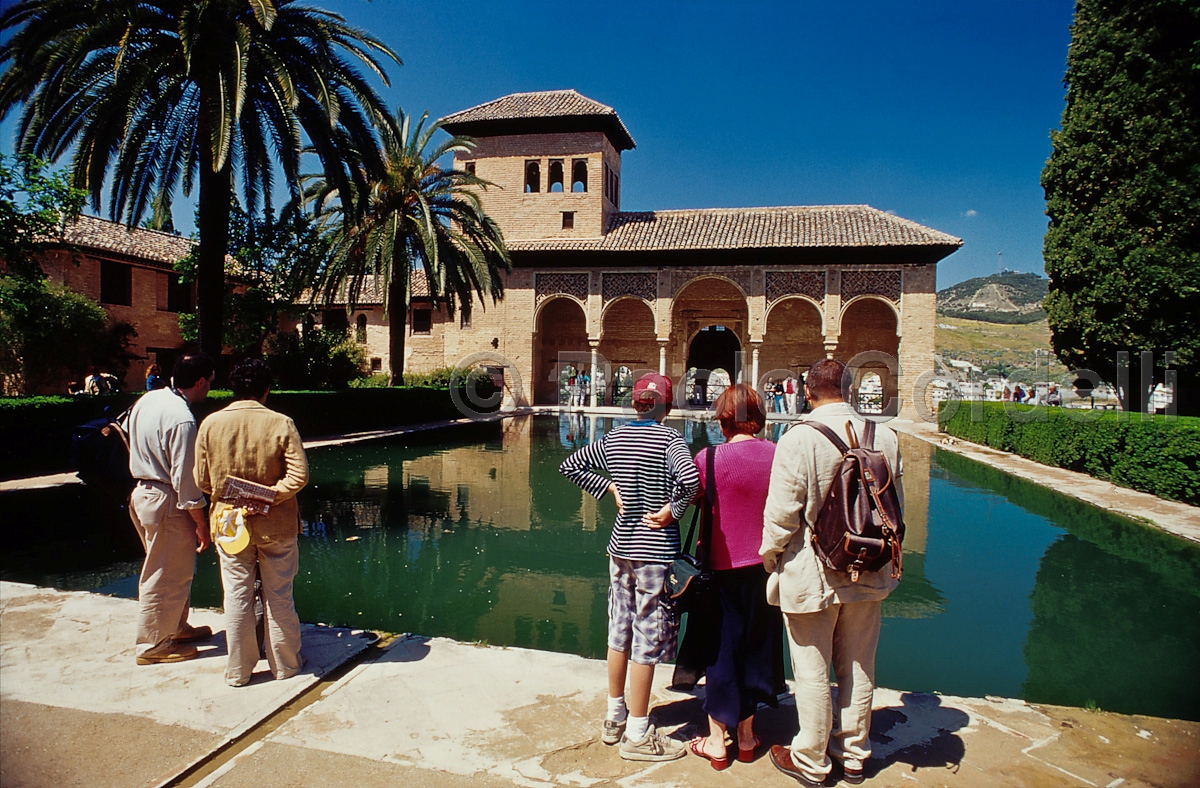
(251, 441)
(801, 475)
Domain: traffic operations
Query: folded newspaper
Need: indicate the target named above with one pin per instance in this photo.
(256, 498)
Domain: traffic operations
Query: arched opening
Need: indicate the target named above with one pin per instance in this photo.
(533, 177)
(622, 386)
(627, 340)
(561, 340)
(579, 175)
(713, 348)
(554, 179)
(870, 393)
(360, 329)
(707, 303)
(793, 339)
(870, 324)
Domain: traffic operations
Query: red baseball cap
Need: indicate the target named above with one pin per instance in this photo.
(652, 386)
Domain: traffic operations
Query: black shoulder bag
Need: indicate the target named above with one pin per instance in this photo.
(690, 580)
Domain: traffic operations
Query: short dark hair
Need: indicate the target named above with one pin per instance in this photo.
(192, 368)
(740, 410)
(826, 379)
(251, 379)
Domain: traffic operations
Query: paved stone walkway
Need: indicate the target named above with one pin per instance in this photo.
(76, 711)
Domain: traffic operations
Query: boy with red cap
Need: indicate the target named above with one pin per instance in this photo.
(648, 466)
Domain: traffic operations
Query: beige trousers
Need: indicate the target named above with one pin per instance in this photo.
(165, 586)
(845, 636)
(275, 564)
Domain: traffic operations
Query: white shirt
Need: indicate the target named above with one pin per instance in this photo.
(162, 444)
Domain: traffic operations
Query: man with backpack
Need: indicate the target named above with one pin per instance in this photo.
(832, 615)
(167, 508)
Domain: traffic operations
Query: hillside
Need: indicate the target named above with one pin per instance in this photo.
(997, 346)
(1008, 297)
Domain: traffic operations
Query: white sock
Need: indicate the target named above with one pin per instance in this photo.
(616, 709)
(636, 728)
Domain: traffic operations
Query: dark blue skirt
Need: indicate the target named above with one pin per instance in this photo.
(736, 642)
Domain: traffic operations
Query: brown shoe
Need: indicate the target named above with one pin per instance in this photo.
(781, 757)
(190, 634)
(172, 652)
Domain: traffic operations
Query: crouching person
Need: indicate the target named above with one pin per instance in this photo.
(248, 442)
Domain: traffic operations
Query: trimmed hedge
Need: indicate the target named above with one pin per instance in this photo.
(1158, 455)
(35, 432)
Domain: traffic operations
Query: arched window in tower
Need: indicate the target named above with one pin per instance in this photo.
(533, 177)
(554, 180)
(360, 330)
(579, 175)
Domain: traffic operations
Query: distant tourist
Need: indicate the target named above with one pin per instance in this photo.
(1018, 394)
(99, 382)
(167, 509)
(648, 466)
(789, 393)
(1054, 396)
(154, 378)
(248, 442)
(830, 616)
(735, 643)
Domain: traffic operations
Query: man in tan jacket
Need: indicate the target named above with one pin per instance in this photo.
(829, 617)
(249, 441)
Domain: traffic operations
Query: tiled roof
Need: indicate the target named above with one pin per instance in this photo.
(89, 232)
(540, 105)
(845, 226)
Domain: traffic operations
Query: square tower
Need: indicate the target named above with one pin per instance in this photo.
(554, 157)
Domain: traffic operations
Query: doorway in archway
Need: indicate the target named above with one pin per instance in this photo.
(714, 347)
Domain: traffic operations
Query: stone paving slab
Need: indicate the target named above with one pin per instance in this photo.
(76, 709)
(436, 712)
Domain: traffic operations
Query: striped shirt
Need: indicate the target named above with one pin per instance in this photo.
(651, 466)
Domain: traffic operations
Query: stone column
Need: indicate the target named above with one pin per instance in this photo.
(918, 319)
(662, 356)
(755, 344)
(595, 350)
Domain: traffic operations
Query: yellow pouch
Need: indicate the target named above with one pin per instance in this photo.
(229, 528)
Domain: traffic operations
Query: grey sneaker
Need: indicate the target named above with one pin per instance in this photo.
(611, 732)
(655, 747)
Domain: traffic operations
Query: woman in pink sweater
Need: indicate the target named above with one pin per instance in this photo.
(740, 639)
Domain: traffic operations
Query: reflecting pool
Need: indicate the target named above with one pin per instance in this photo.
(471, 533)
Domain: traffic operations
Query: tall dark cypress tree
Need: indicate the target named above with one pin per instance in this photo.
(1123, 195)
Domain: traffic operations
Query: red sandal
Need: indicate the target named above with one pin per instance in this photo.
(697, 747)
(747, 756)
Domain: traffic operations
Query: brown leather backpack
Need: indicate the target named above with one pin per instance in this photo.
(860, 526)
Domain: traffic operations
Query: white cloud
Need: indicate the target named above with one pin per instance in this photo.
(891, 212)
(970, 213)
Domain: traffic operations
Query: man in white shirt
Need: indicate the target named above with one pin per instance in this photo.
(167, 509)
(829, 617)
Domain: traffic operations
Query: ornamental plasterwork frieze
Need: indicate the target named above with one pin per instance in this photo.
(880, 283)
(546, 285)
(781, 284)
(638, 285)
(681, 279)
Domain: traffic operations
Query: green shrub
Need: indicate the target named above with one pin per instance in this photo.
(370, 382)
(315, 358)
(35, 432)
(1158, 455)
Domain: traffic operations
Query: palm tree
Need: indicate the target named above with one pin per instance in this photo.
(152, 94)
(419, 219)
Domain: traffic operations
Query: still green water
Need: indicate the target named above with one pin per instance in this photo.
(471, 533)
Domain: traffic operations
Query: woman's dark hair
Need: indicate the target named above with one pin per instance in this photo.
(191, 368)
(251, 379)
(740, 410)
(825, 379)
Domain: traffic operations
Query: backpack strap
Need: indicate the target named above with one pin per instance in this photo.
(828, 433)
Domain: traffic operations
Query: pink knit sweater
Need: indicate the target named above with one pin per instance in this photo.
(742, 471)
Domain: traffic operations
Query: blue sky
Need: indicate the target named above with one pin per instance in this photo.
(937, 111)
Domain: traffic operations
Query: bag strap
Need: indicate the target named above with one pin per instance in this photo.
(710, 500)
(828, 433)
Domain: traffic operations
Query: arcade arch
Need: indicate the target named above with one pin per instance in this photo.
(561, 328)
(627, 337)
(703, 303)
(794, 337)
(871, 324)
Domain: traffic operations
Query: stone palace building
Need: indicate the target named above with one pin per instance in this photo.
(756, 292)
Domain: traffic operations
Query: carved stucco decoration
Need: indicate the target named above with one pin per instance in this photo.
(681, 279)
(639, 285)
(546, 285)
(781, 284)
(880, 283)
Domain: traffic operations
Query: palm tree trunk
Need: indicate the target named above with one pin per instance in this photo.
(216, 193)
(397, 329)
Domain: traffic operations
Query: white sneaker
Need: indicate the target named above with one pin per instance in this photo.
(612, 731)
(655, 747)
